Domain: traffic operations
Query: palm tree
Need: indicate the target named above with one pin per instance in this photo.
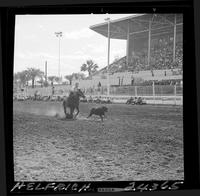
(69, 77)
(90, 67)
(34, 73)
(41, 81)
(78, 76)
(74, 75)
(23, 76)
(51, 78)
(57, 79)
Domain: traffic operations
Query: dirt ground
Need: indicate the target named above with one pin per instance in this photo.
(133, 143)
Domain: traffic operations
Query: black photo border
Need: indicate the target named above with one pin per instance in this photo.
(191, 136)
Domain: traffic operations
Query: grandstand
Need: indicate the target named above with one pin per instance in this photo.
(154, 48)
(154, 41)
(154, 54)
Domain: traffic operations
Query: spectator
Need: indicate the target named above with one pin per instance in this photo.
(53, 90)
(35, 95)
(99, 86)
(132, 81)
(152, 73)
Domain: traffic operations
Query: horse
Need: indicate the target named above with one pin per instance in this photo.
(72, 102)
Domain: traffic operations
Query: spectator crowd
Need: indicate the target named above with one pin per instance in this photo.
(161, 57)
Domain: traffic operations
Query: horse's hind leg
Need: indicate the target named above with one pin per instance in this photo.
(71, 113)
(101, 118)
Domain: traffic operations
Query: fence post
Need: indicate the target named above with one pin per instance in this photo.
(135, 91)
(153, 86)
(175, 94)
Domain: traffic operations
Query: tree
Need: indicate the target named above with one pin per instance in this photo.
(69, 77)
(34, 73)
(57, 79)
(16, 78)
(77, 76)
(23, 77)
(41, 81)
(52, 79)
(90, 67)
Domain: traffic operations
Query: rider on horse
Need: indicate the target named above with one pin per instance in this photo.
(72, 101)
(74, 88)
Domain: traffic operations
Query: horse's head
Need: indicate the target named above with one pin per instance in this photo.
(80, 93)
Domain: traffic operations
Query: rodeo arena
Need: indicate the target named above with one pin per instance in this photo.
(129, 122)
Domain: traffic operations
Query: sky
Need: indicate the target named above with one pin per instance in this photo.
(36, 42)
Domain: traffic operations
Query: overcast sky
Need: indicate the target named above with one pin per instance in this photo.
(35, 42)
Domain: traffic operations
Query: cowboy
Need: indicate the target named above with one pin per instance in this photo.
(74, 88)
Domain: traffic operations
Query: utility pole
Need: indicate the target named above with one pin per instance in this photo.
(59, 35)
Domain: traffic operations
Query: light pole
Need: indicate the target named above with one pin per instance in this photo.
(108, 79)
(59, 35)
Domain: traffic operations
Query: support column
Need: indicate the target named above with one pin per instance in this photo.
(149, 42)
(135, 91)
(46, 71)
(59, 61)
(174, 40)
(108, 79)
(127, 43)
(175, 94)
(153, 86)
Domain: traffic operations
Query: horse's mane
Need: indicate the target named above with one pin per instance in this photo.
(74, 94)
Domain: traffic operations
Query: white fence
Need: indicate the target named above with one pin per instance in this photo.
(150, 90)
(155, 94)
(162, 100)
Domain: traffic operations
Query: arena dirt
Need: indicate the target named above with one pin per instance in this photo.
(133, 143)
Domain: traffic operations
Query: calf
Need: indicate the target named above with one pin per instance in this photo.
(99, 112)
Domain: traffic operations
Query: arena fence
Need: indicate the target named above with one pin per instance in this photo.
(156, 90)
(155, 94)
(164, 100)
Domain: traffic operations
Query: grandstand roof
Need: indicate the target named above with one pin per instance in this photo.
(139, 25)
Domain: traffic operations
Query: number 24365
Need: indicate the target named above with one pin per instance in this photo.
(153, 186)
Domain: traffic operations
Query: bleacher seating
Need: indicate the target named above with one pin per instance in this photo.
(161, 57)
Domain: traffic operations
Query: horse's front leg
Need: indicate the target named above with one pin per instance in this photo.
(64, 107)
(77, 108)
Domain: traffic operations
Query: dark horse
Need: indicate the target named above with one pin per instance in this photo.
(72, 102)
